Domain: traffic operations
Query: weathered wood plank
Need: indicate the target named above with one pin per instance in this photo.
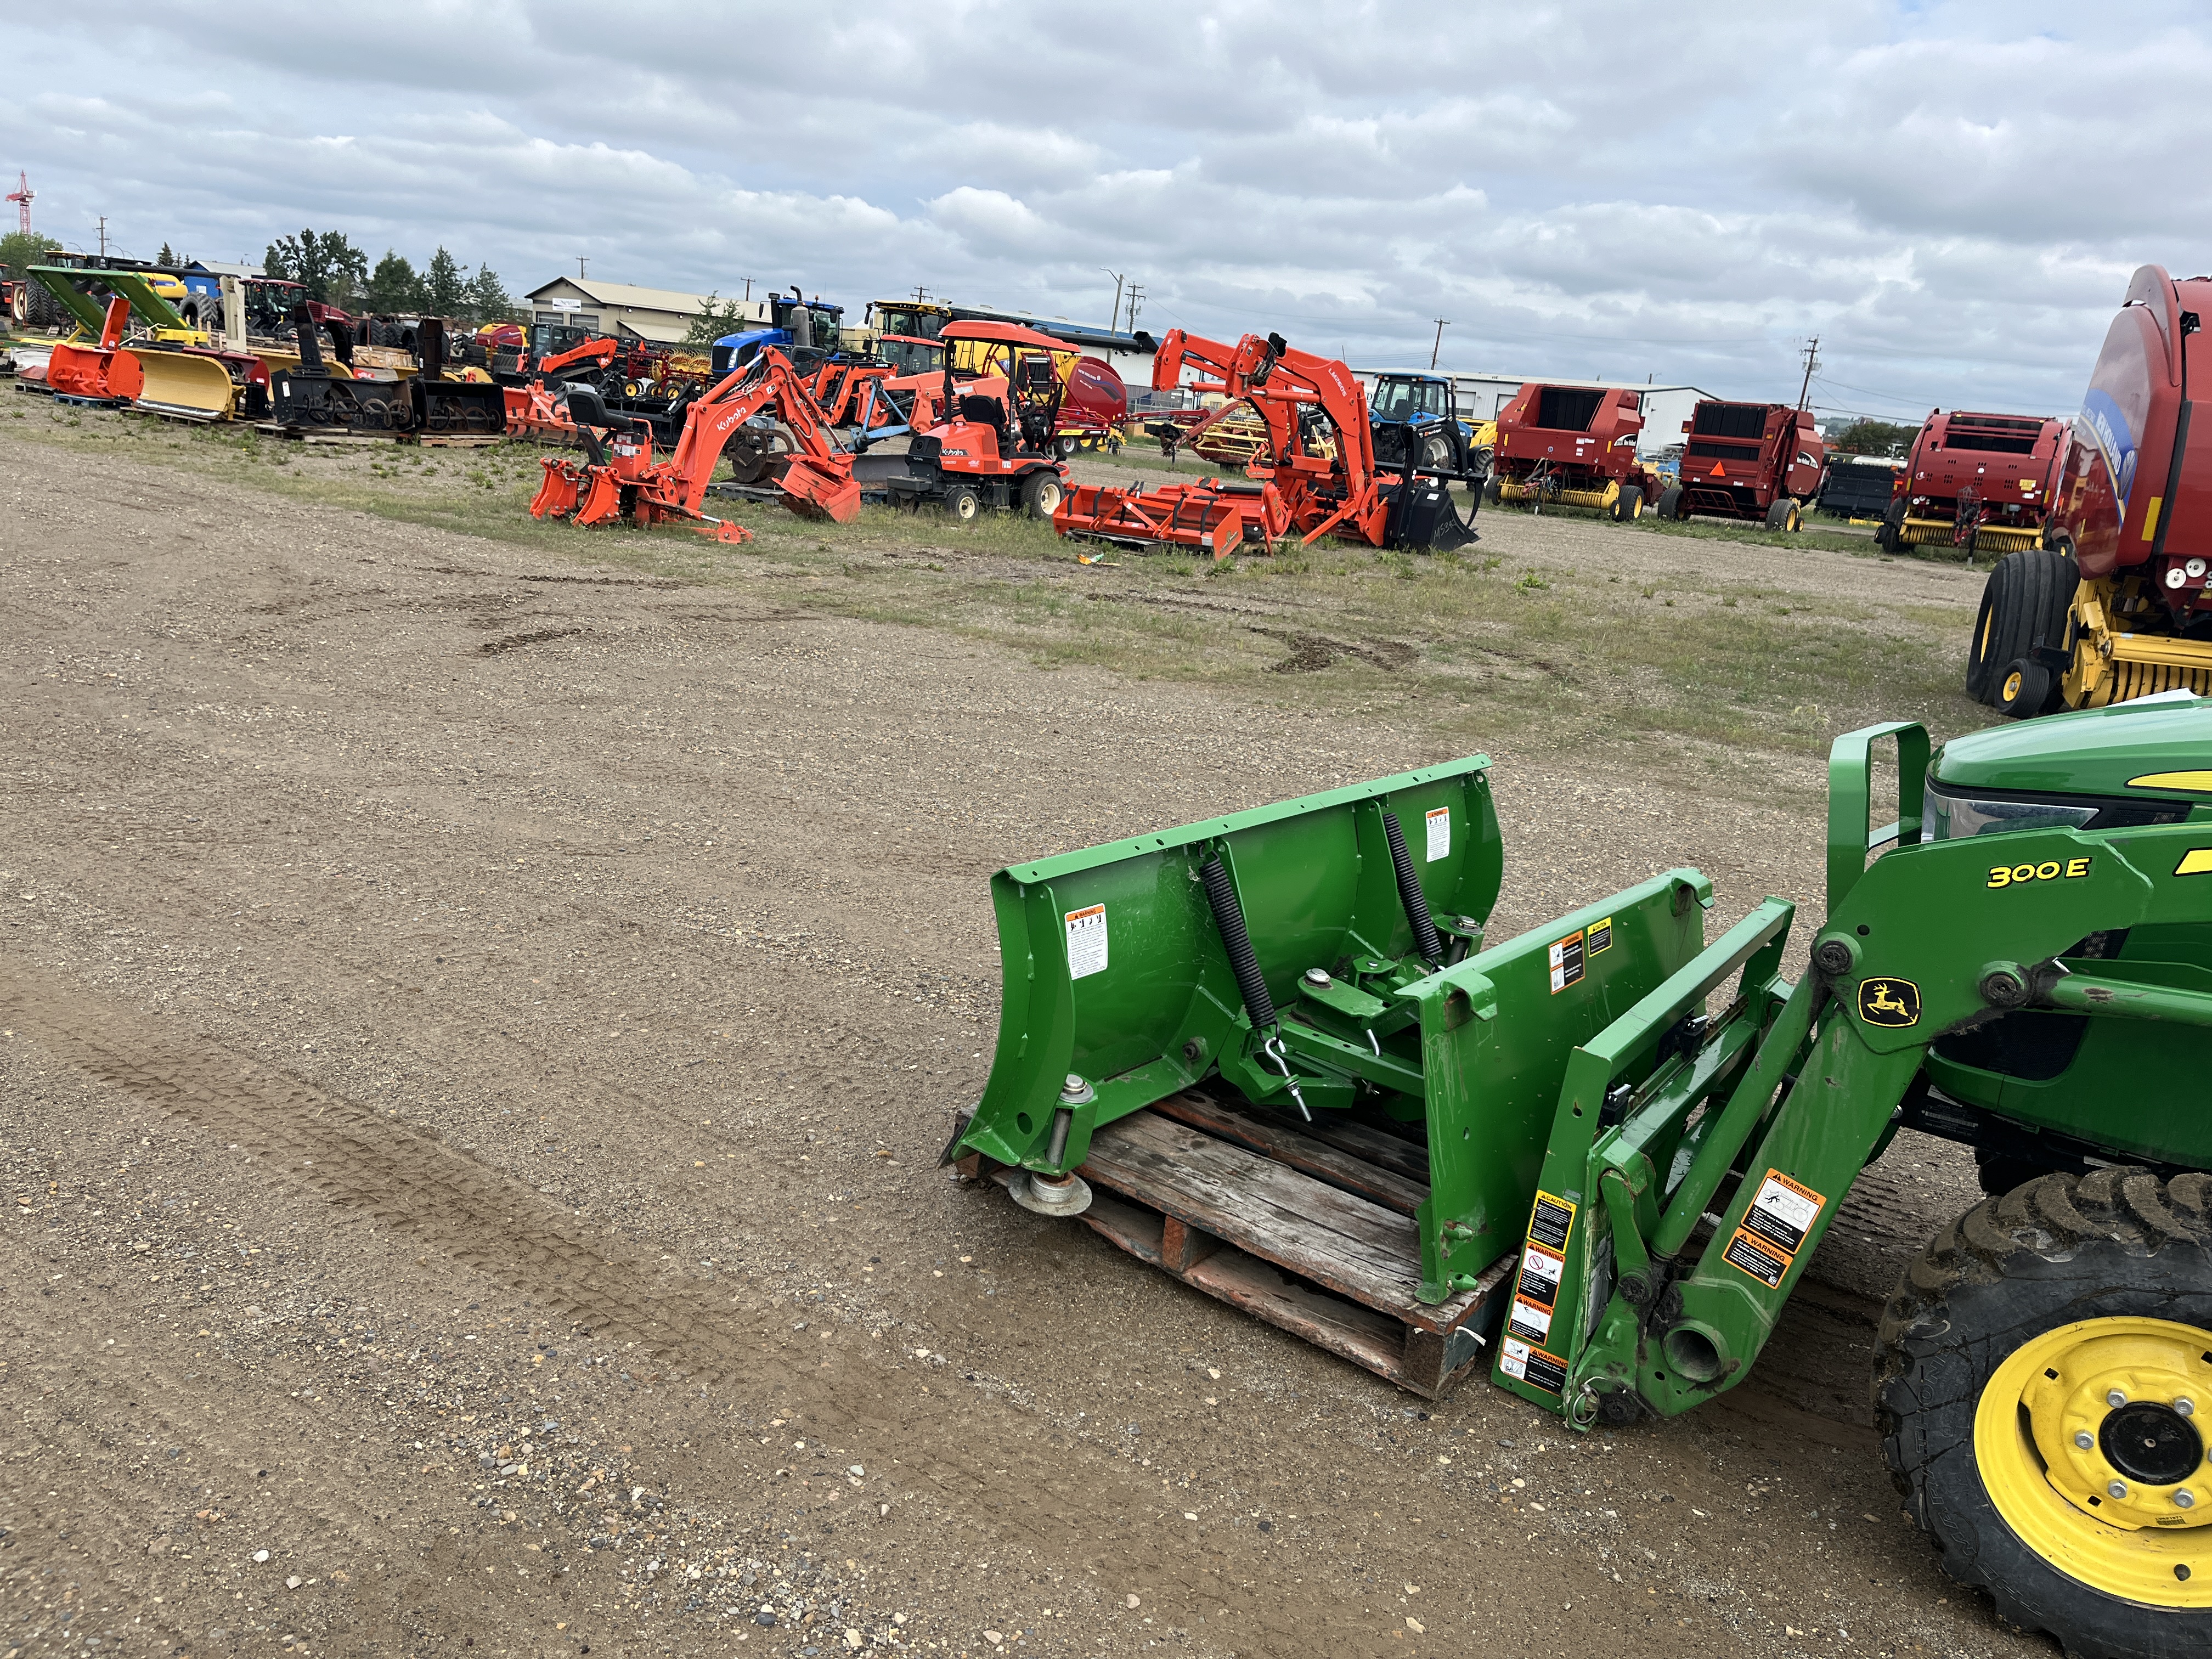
(1339, 1240)
(1363, 1335)
(1276, 1138)
(1183, 1247)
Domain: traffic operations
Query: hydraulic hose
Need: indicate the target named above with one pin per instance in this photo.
(1229, 917)
(1426, 942)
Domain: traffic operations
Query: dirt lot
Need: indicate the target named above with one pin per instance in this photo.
(479, 1024)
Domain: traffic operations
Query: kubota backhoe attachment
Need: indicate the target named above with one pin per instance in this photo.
(620, 478)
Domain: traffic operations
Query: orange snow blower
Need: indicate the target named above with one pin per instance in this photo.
(621, 480)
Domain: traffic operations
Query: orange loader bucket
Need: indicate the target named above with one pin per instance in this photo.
(815, 493)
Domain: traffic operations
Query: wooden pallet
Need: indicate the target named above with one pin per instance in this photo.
(322, 435)
(1308, 1226)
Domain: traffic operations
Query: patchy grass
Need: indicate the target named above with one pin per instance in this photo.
(1482, 647)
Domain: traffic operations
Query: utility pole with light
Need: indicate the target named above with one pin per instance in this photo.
(1113, 317)
(1435, 350)
(1811, 362)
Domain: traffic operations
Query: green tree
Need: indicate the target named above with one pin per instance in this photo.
(20, 252)
(718, 318)
(1869, 437)
(445, 286)
(323, 263)
(165, 257)
(393, 286)
(488, 300)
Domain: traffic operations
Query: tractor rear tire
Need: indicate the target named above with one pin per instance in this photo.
(1670, 503)
(1041, 494)
(2024, 603)
(962, 504)
(2071, 1280)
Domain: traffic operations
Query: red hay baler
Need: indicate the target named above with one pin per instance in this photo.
(1572, 446)
(1977, 482)
(1759, 462)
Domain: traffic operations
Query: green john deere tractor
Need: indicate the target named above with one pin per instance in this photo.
(1276, 1056)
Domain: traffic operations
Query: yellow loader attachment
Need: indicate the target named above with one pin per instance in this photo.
(185, 383)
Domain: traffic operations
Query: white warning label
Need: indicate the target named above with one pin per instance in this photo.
(1086, 942)
(1783, 1213)
(1528, 1321)
(1439, 821)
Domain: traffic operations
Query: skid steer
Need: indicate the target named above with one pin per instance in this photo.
(1277, 1055)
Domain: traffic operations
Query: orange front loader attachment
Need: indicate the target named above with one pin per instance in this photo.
(622, 481)
(1316, 476)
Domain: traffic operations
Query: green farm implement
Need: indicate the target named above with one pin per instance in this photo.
(1277, 1055)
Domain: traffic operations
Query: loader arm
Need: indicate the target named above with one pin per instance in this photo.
(58, 280)
(1675, 1213)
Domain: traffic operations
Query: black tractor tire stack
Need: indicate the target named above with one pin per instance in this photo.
(2116, 1244)
(2024, 604)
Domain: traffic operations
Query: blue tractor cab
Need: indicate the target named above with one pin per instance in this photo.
(805, 330)
(1424, 408)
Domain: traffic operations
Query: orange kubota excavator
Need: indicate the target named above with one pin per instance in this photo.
(621, 480)
(1316, 474)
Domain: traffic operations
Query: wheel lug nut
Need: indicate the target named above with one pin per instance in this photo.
(2084, 1439)
(2185, 1499)
(2116, 1399)
(2118, 1489)
(2185, 1405)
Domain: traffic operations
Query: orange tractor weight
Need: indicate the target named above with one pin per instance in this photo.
(620, 481)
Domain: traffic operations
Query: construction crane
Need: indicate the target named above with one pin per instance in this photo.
(21, 196)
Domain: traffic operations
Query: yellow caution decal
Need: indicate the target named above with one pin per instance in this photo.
(2197, 862)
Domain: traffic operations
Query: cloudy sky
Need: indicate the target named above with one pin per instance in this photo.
(1950, 196)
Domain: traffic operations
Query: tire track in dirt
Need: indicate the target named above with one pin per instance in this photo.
(989, 1467)
(399, 1177)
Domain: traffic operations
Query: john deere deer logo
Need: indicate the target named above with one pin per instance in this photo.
(1889, 1002)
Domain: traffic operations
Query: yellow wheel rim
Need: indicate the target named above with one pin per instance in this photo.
(2012, 685)
(2088, 1442)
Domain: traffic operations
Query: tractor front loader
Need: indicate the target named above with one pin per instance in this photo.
(1277, 1055)
(621, 480)
(1315, 475)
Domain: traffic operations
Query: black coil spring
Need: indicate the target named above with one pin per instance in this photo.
(1426, 941)
(1229, 918)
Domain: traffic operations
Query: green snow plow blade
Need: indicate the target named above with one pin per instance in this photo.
(1322, 965)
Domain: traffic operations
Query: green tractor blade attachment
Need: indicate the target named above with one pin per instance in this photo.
(1319, 968)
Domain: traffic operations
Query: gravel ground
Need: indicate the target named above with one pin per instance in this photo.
(474, 1034)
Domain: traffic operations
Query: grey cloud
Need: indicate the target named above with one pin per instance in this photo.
(1951, 196)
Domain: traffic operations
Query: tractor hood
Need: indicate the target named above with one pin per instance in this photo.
(2158, 746)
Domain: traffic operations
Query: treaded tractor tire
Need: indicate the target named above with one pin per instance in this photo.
(1628, 506)
(1041, 494)
(2024, 604)
(1670, 503)
(2055, 1261)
